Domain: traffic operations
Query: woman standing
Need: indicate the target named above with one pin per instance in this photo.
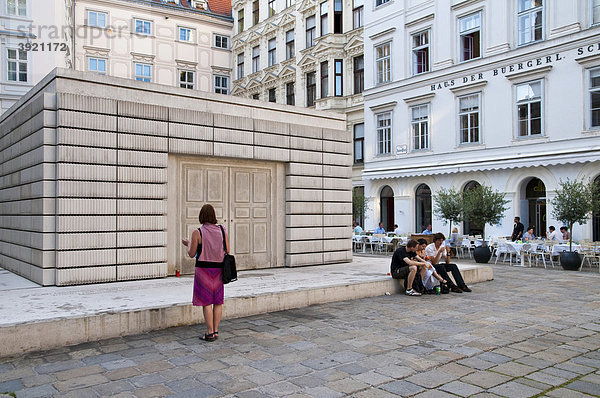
(206, 245)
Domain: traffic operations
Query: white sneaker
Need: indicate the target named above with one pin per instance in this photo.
(411, 292)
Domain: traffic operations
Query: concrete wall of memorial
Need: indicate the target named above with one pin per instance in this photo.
(84, 175)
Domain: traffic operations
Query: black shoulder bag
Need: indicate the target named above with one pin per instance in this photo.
(229, 270)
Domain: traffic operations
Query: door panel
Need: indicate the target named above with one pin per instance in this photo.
(242, 198)
(251, 216)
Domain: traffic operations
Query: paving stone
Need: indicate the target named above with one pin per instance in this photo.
(544, 377)
(79, 393)
(402, 388)
(532, 383)
(535, 362)
(124, 373)
(431, 379)
(460, 388)
(322, 392)
(114, 387)
(456, 369)
(184, 385)
(280, 389)
(353, 368)
(80, 382)
(513, 369)
(395, 371)
(476, 363)
(347, 386)
(54, 367)
(584, 387)
(374, 393)
(514, 390)
(434, 394)
(147, 380)
(485, 379)
(78, 372)
(12, 385)
(372, 378)
(44, 390)
(566, 393)
(160, 391)
(37, 380)
(493, 357)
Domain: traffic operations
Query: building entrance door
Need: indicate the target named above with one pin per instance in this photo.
(536, 195)
(241, 197)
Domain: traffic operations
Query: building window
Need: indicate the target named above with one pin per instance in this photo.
(143, 27)
(359, 142)
(255, 12)
(310, 31)
(311, 88)
(240, 65)
(384, 133)
(143, 72)
(186, 34)
(468, 116)
(595, 97)
(255, 59)
(17, 65)
(272, 95)
(222, 41)
(16, 7)
(289, 3)
(96, 19)
(420, 52)
(420, 126)
(324, 79)
(221, 84)
(470, 36)
(529, 108)
(272, 54)
(290, 50)
(186, 79)
(256, 96)
(338, 20)
(359, 74)
(290, 94)
(97, 65)
(357, 13)
(324, 17)
(271, 8)
(380, 2)
(383, 61)
(338, 74)
(595, 11)
(241, 20)
(530, 21)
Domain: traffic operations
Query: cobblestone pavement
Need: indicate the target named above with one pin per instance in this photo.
(530, 332)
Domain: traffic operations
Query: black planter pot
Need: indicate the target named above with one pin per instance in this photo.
(570, 261)
(482, 254)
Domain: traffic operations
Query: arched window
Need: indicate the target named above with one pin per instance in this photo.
(423, 207)
(386, 206)
(469, 227)
(535, 195)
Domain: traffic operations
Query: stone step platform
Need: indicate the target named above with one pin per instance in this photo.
(38, 318)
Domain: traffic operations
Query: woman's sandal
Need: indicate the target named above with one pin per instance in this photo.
(208, 337)
(216, 334)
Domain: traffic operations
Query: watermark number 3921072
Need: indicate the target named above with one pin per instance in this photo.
(43, 46)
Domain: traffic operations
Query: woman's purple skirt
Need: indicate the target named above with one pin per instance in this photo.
(208, 286)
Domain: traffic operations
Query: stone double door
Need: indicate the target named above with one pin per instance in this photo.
(241, 196)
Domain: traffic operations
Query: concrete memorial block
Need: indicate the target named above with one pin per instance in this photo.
(94, 155)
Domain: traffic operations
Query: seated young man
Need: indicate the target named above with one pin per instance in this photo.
(435, 252)
(405, 264)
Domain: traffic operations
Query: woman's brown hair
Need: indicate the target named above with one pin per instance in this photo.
(207, 214)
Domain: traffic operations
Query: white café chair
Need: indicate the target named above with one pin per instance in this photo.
(542, 252)
(510, 252)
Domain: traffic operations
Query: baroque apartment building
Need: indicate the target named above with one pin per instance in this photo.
(305, 53)
(182, 43)
(467, 92)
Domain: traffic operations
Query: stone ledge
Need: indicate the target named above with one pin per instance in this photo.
(19, 338)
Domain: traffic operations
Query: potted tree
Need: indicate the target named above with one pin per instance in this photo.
(573, 204)
(448, 206)
(483, 205)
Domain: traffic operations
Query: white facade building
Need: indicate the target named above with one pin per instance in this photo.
(460, 92)
(34, 39)
(182, 43)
